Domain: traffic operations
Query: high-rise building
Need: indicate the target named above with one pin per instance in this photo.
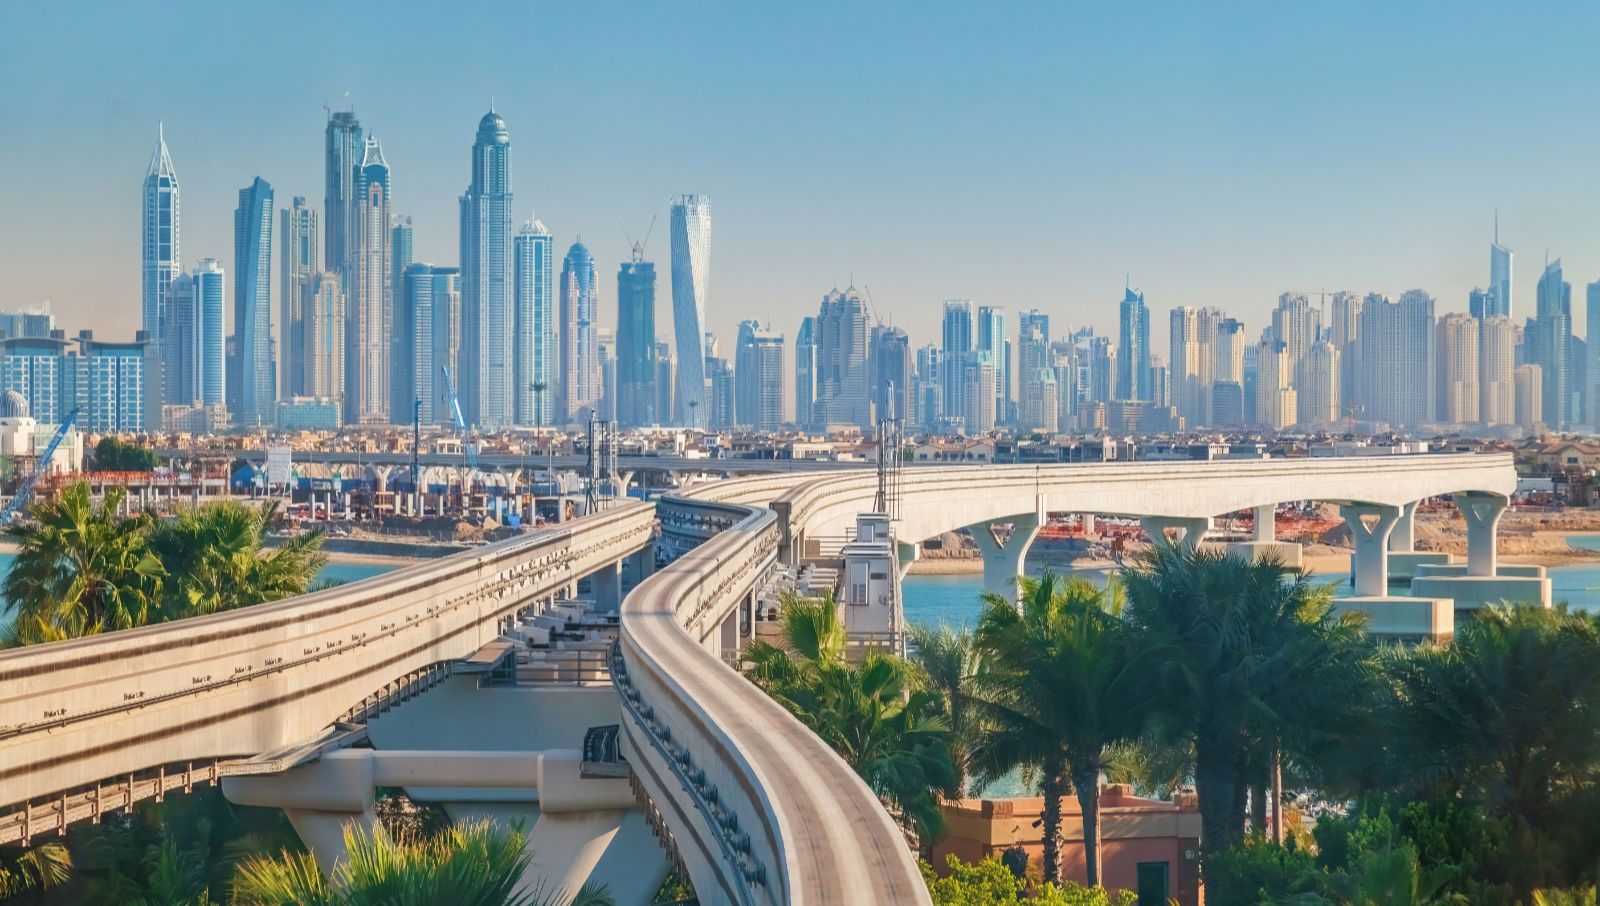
(160, 263)
(1530, 396)
(1460, 376)
(606, 349)
(666, 376)
(1034, 371)
(301, 258)
(979, 394)
(1133, 352)
(195, 343)
(343, 152)
(1497, 363)
(580, 322)
(33, 323)
(1344, 331)
(991, 341)
(928, 398)
(959, 344)
(691, 277)
(758, 377)
(1317, 385)
(404, 342)
(322, 345)
(537, 352)
(254, 370)
(489, 396)
(636, 342)
(1552, 345)
(1184, 364)
(43, 372)
(1397, 359)
(843, 374)
(718, 393)
(1297, 324)
(112, 389)
(891, 369)
(1277, 405)
(369, 310)
(1499, 300)
(805, 373)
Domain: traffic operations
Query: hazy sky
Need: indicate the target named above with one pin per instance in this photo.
(1018, 154)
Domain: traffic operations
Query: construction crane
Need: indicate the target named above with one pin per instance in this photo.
(25, 490)
(467, 449)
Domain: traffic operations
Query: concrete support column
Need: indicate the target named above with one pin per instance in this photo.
(1371, 524)
(728, 634)
(907, 553)
(1482, 512)
(1266, 522)
(1404, 536)
(1087, 521)
(1003, 563)
(1191, 529)
(606, 583)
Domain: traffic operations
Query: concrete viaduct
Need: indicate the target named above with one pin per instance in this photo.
(755, 808)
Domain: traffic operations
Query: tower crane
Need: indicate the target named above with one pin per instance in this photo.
(468, 450)
(42, 465)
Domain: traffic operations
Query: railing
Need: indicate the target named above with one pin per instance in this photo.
(554, 667)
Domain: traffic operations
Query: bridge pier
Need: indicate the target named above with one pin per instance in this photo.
(1483, 581)
(1004, 562)
(1265, 543)
(1191, 530)
(606, 585)
(1370, 524)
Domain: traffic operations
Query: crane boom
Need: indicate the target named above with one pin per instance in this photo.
(467, 449)
(25, 490)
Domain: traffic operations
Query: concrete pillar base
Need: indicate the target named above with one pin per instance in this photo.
(1474, 592)
(1407, 565)
(1393, 618)
(1522, 570)
(1287, 552)
(1370, 526)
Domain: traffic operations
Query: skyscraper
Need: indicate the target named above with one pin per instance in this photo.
(1497, 362)
(488, 316)
(959, 344)
(160, 262)
(890, 365)
(580, 316)
(928, 400)
(343, 151)
(636, 342)
(1317, 385)
(1033, 370)
(758, 377)
(1552, 345)
(195, 344)
(322, 336)
(536, 352)
(1344, 331)
(805, 373)
(843, 374)
(1297, 324)
(403, 341)
(1499, 301)
(370, 310)
(1277, 404)
(301, 257)
(1397, 359)
(691, 276)
(1460, 375)
(991, 342)
(254, 368)
(1529, 396)
(1133, 353)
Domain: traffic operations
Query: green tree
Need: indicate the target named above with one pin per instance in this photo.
(41, 867)
(79, 569)
(1251, 659)
(950, 664)
(113, 454)
(1064, 687)
(215, 558)
(991, 883)
(872, 712)
(475, 864)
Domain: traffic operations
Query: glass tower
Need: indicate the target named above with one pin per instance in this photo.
(636, 342)
(1133, 353)
(159, 258)
(343, 150)
(254, 368)
(302, 259)
(691, 274)
(535, 375)
(370, 311)
(1499, 300)
(489, 325)
(580, 353)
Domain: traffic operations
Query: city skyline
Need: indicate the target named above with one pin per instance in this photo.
(1357, 233)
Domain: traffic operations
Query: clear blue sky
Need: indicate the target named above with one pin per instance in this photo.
(1020, 154)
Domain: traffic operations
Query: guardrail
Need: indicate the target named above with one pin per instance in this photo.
(75, 715)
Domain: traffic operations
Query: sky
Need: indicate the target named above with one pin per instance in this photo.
(1025, 155)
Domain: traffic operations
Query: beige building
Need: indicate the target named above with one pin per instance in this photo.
(1275, 398)
(1497, 363)
(1456, 352)
(1530, 396)
(1317, 385)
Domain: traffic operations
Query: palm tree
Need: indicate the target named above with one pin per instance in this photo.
(950, 663)
(79, 569)
(872, 713)
(1064, 689)
(214, 558)
(41, 867)
(476, 864)
(1251, 657)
